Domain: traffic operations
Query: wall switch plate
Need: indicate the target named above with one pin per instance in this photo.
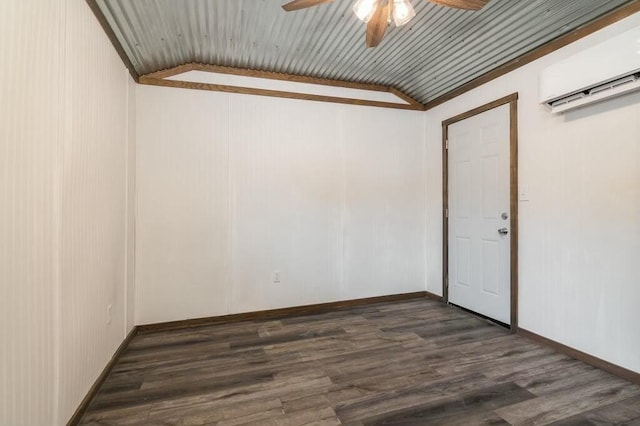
(523, 193)
(276, 277)
(108, 314)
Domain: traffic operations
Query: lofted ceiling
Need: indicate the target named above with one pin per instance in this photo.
(440, 50)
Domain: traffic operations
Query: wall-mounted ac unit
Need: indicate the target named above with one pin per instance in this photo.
(608, 69)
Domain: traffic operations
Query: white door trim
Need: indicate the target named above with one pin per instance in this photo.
(512, 100)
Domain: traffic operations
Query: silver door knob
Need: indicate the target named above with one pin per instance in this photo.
(503, 231)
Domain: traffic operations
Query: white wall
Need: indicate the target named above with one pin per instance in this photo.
(233, 187)
(93, 213)
(580, 229)
(28, 149)
(63, 205)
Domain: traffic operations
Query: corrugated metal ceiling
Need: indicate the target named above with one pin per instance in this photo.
(440, 50)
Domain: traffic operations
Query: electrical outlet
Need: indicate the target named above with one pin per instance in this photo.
(276, 277)
(108, 314)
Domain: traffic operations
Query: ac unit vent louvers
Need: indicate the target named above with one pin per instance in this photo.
(610, 85)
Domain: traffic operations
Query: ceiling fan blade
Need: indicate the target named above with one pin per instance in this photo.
(378, 24)
(303, 4)
(462, 4)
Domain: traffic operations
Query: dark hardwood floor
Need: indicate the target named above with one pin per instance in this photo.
(403, 363)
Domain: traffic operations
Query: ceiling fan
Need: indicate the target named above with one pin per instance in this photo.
(378, 14)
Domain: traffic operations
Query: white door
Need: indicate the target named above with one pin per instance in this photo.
(479, 222)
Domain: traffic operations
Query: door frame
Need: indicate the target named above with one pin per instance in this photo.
(512, 101)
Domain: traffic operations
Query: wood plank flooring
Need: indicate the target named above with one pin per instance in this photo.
(417, 362)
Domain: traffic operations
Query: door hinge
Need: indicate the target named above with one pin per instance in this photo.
(446, 144)
(446, 212)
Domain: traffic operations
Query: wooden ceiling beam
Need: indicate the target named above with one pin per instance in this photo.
(159, 78)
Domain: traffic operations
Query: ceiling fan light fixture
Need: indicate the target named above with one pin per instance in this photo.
(403, 12)
(364, 9)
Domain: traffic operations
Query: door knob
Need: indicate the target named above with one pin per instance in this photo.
(503, 231)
